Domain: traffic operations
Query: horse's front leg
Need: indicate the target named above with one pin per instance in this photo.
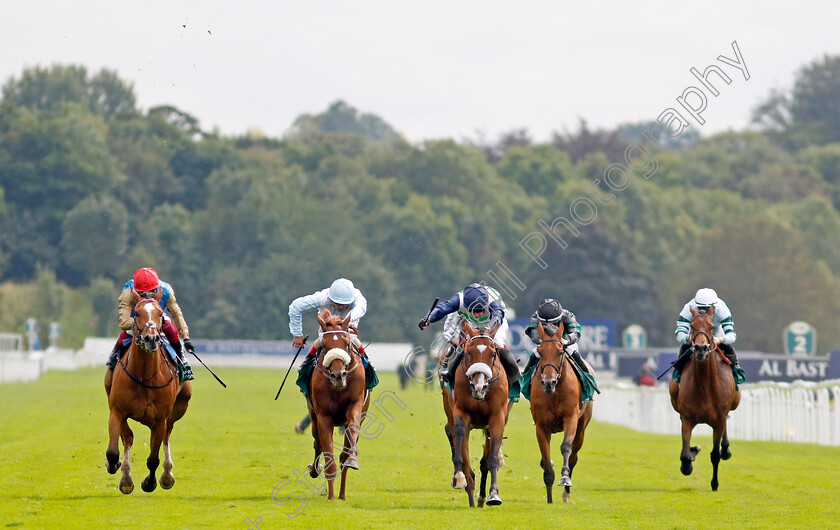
(688, 453)
(720, 431)
(569, 432)
(126, 483)
(350, 451)
(158, 432)
(497, 432)
(463, 477)
(325, 448)
(544, 441)
(112, 453)
(483, 468)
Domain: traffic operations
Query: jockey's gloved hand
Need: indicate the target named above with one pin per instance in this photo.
(189, 346)
(423, 324)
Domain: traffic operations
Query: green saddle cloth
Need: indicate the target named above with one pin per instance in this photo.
(587, 382)
(737, 372)
(305, 376)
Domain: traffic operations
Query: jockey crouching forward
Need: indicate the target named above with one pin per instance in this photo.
(341, 298)
(480, 306)
(148, 285)
(551, 314)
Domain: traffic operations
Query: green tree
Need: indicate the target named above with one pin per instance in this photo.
(95, 238)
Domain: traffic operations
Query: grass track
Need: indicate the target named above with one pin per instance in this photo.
(236, 445)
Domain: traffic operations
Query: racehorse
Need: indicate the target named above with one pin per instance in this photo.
(555, 407)
(705, 394)
(145, 389)
(479, 401)
(338, 397)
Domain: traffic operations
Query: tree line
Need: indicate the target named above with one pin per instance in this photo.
(94, 187)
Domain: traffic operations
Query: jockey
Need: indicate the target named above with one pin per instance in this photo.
(552, 314)
(341, 298)
(724, 327)
(148, 285)
(479, 305)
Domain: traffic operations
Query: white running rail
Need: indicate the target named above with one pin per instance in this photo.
(801, 412)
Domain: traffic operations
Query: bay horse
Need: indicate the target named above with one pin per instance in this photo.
(705, 394)
(338, 398)
(555, 407)
(479, 401)
(145, 388)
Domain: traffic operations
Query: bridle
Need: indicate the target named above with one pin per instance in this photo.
(492, 357)
(347, 348)
(142, 344)
(562, 357)
(702, 348)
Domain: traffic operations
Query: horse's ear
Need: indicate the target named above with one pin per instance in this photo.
(493, 331)
(158, 295)
(135, 297)
(710, 311)
(541, 329)
(322, 319)
(345, 324)
(467, 329)
(561, 329)
(693, 312)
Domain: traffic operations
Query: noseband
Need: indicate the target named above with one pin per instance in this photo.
(348, 348)
(136, 330)
(492, 357)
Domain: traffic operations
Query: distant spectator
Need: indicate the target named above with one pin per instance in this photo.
(645, 376)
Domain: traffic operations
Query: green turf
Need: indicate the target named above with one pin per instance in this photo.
(236, 446)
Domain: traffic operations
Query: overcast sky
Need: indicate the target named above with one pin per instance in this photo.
(431, 69)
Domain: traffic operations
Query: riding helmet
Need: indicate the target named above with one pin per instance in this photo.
(705, 297)
(146, 279)
(549, 310)
(342, 291)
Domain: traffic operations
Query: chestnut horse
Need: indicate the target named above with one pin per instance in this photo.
(705, 394)
(555, 407)
(338, 398)
(479, 401)
(145, 389)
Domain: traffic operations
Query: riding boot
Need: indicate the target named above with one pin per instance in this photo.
(682, 358)
(183, 365)
(510, 366)
(729, 353)
(115, 354)
(579, 360)
(450, 364)
(533, 360)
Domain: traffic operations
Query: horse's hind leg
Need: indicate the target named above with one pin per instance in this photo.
(725, 453)
(158, 432)
(449, 437)
(112, 453)
(483, 469)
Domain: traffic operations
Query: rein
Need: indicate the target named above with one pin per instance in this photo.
(140, 381)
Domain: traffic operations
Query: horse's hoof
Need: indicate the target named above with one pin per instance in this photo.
(494, 500)
(686, 468)
(694, 450)
(149, 485)
(566, 496)
(126, 486)
(113, 470)
(565, 481)
(714, 485)
(167, 481)
(313, 471)
(459, 481)
(352, 463)
(725, 454)
(480, 502)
